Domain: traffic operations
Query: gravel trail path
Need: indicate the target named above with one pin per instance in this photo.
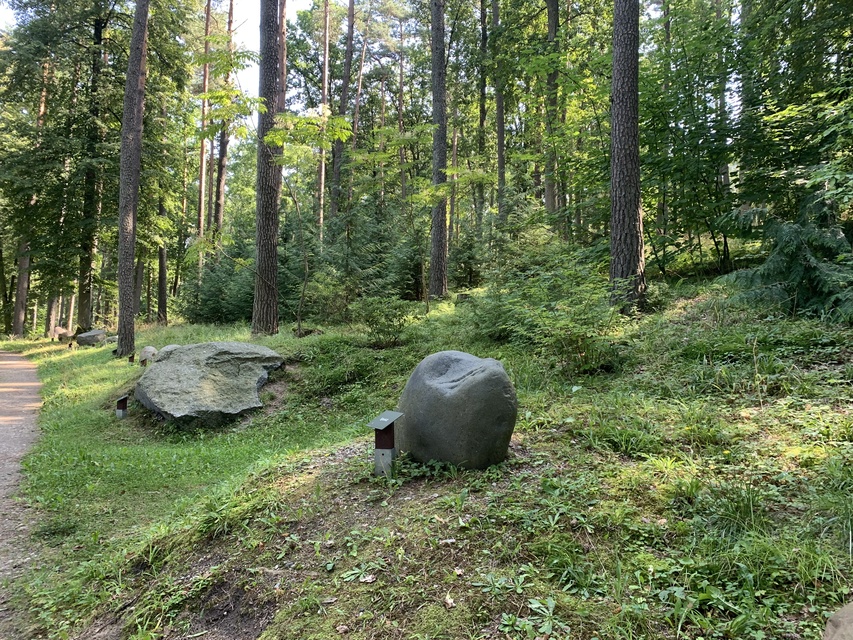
(20, 401)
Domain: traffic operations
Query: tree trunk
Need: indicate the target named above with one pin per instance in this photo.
(22, 289)
(5, 295)
(359, 80)
(221, 166)
(438, 228)
(324, 103)
(553, 7)
(50, 315)
(400, 126)
(69, 313)
(268, 184)
(500, 123)
(138, 277)
(162, 277)
(130, 163)
(148, 317)
(454, 163)
(281, 104)
(202, 151)
(480, 187)
(92, 184)
(343, 107)
(627, 262)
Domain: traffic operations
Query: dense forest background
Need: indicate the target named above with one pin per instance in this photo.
(745, 145)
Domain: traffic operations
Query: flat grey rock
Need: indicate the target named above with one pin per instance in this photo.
(840, 625)
(91, 338)
(213, 381)
(457, 408)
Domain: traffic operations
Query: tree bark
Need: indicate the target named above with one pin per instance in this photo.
(22, 289)
(268, 184)
(553, 7)
(138, 277)
(222, 161)
(50, 315)
(500, 123)
(92, 184)
(400, 125)
(5, 295)
(480, 187)
(162, 280)
(627, 262)
(359, 80)
(69, 314)
(343, 108)
(324, 103)
(438, 229)
(202, 152)
(281, 104)
(130, 164)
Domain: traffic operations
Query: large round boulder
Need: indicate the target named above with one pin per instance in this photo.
(213, 381)
(457, 408)
(840, 625)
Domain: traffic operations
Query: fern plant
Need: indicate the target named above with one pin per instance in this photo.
(809, 269)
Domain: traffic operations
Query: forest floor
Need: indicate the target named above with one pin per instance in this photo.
(677, 475)
(19, 404)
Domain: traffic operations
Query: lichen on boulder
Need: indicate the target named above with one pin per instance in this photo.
(211, 381)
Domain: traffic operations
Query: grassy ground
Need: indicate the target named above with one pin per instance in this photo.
(695, 483)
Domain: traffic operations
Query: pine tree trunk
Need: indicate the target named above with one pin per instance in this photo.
(480, 187)
(92, 183)
(5, 295)
(400, 126)
(553, 7)
(281, 105)
(22, 289)
(268, 184)
(69, 313)
(222, 160)
(138, 273)
(50, 315)
(324, 102)
(162, 281)
(359, 80)
(130, 163)
(438, 228)
(338, 149)
(500, 124)
(627, 262)
(202, 150)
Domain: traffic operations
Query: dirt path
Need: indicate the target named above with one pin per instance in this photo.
(19, 405)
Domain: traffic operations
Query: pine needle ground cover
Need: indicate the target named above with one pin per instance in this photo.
(692, 480)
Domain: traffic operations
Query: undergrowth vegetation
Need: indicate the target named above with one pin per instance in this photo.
(685, 473)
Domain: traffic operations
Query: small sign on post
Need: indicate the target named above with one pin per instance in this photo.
(121, 407)
(385, 451)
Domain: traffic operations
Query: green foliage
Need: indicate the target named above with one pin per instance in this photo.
(226, 291)
(557, 304)
(385, 318)
(809, 269)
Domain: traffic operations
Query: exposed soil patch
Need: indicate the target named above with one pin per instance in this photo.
(19, 404)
